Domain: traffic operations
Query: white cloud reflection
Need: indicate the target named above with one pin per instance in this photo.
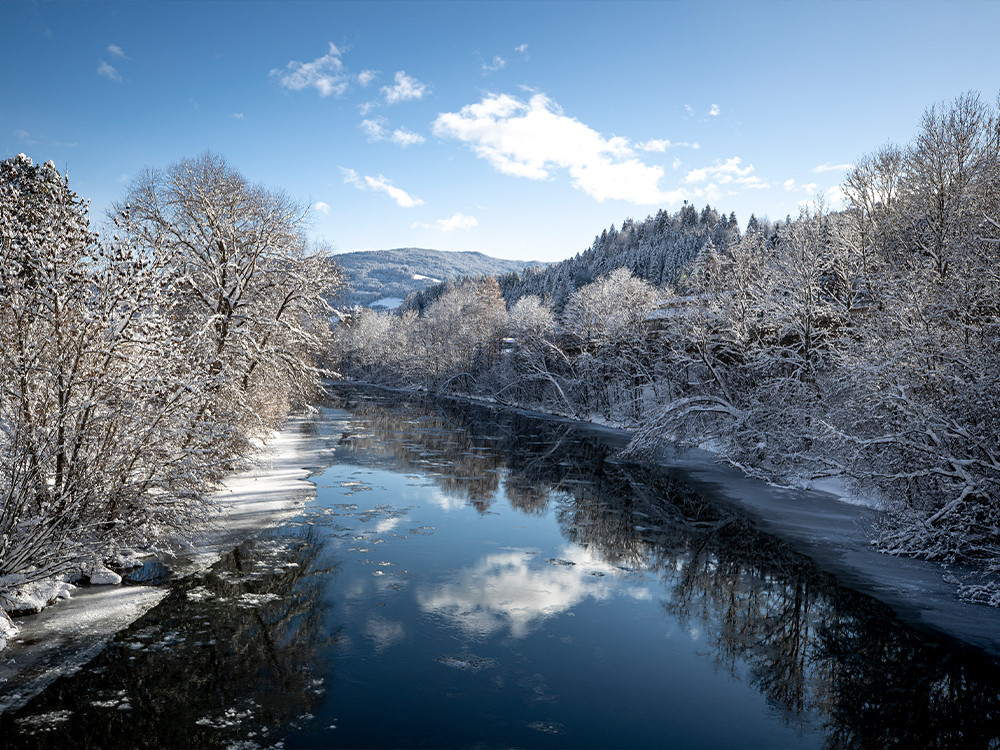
(516, 591)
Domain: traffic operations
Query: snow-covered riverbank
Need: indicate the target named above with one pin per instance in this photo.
(66, 635)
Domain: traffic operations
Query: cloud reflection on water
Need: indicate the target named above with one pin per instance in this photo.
(516, 591)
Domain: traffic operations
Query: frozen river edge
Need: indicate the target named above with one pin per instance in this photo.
(66, 635)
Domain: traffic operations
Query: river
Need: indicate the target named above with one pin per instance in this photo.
(476, 578)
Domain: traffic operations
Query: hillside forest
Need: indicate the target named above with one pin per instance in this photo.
(860, 345)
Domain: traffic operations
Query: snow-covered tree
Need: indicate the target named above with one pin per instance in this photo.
(91, 394)
(251, 293)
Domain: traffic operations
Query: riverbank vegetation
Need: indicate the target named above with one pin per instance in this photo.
(137, 364)
(861, 344)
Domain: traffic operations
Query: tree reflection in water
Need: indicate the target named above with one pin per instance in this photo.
(230, 657)
(227, 656)
(813, 648)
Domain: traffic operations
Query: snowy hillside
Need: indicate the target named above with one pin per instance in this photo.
(376, 276)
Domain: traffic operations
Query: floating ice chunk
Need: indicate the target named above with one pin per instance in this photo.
(548, 727)
(468, 662)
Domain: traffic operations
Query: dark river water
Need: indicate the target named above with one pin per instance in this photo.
(470, 578)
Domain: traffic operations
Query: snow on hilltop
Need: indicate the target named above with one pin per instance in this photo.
(374, 276)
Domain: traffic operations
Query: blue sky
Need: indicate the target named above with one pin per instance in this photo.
(517, 129)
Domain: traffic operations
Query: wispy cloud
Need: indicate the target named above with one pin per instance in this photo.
(534, 139)
(714, 111)
(238, 116)
(365, 77)
(831, 168)
(790, 185)
(403, 137)
(377, 130)
(405, 89)
(498, 63)
(321, 207)
(522, 48)
(108, 71)
(728, 172)
(723, 178)
(453, 222)
(373, 129)
(325, 74)
(115, 51)
(832, 198)
(382, 185)
(661, 145)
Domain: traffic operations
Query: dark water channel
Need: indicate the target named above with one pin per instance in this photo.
(468, 578)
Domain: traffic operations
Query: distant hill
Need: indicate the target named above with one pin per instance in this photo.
(384, 278)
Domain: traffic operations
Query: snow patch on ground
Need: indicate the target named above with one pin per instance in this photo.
(7, 629)
(836, 487)
(102, 576)
(389, 303)
(34, 597)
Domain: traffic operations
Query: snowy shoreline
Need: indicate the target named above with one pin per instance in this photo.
(65, 635)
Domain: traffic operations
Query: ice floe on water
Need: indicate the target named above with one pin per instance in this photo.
(468, 662)
(547, 727)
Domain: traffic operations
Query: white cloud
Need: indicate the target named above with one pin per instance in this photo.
(522, 48)
(512, 591)
(377, 130)
(661, 145)
(728, 172)
(533, 139)
(108, 71)
(457, 221)
(24, 135)
(687, 108)
(714, 111)
(116, 51)
(835, 197)
(325, 74)
(789, 184)
(405, 89)
(402, 198)
(350, 177)
(403, 137)
(810, 187)
(492, 67)
(321, 207)
(831, 168)
(238, 116)
(374, 129)
(677, 163)
(831, 199)
(382, 185)
(367, 76)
